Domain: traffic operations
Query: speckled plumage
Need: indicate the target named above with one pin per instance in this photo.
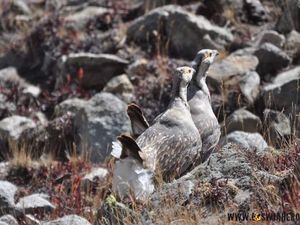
(171, 145)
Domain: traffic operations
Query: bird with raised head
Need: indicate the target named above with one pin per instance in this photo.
(169, 146)
(199, 100)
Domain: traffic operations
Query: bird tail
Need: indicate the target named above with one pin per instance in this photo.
(129, 148)
(138, 121)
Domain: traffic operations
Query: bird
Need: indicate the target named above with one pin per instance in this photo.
(199, 100)
(168, 147)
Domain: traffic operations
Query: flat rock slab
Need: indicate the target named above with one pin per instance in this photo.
(34, 203)
(95, 70)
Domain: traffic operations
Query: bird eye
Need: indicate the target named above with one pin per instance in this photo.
(189, 71)
(210, 54)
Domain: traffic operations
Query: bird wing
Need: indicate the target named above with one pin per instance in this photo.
(138, 121)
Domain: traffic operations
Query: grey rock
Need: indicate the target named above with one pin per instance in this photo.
(273, 37)
(6, 107)
(97, 174)
(278, 127)
(4, 169)
(253, 142)
(231, 69)
(9, 220)
(290, 18)
(250, 86)
(271, 59)
(292, 45)
(103, 118)
(7, 193)
(283, 92)
(80, 20)
(121, 87)
(67, 220)
(179, 191)
(35, 203)
(97, 69)
(10, 75)
(242, 120)
(174, 24)
(11, 128)
(255, 11)
(73, 106)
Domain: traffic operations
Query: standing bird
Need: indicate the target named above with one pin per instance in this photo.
(200, 103)
(169, 146)
(200, 106)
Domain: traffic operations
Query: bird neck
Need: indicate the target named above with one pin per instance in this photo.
(200, 78)
(179, 90)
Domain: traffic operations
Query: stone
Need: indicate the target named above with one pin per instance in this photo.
(96, 175)
(72, 106)
(67, 220)
(10, 75)
(175, 25)
(80, 20)
(250, 86)
(9, 220)
(273, 37)
(7, 193)
(230, 69)
(6, 107)
(121, 87)
(283, 92)
(292, 45)
(103, 119)
(94, 70)
(278, 127)
(271, 59)
(253, 142)
(35, 203)
(242, 120)
(12, 128)
(256, 12)
(290, 17)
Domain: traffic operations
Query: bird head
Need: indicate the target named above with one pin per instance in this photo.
(185, 73)
(204, 56)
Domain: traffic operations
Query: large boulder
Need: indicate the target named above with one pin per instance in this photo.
(183, 31)
(13, 128)
(35, 203)
(80, 20)
(271, 59)
(253, 142)
(273, 37)
(121, 87)
(7, 193)
(293, 45)
(250, 86)
(290, 18)
(99, 123)
(94, 70)
(231, 69)
(67, 220)
(242, 120)
(283, 92)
